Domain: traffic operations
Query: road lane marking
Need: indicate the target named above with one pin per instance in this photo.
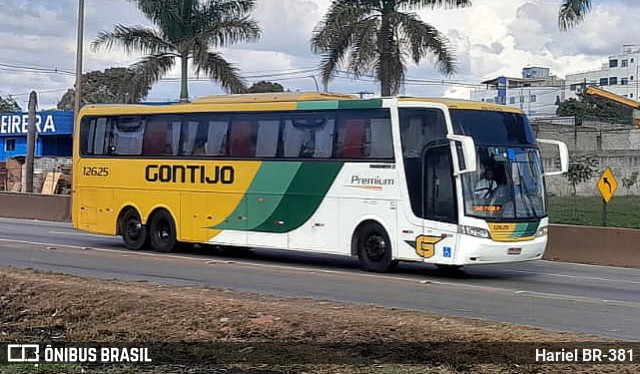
(79, 234)
(575, 276)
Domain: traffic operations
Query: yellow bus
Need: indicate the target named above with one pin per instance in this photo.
(448, 182)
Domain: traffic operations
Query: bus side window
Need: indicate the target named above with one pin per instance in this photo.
(242, 139)
(216, 139)
(190, 132)
(323, 142)
(155, 140)
(293, 139)
(267, 137)
(380, 144)
(353, 138)
(98, 137)
(127, 136)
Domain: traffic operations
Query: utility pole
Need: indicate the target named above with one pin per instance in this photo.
(31, 141)
(76, 106)
(315, 81)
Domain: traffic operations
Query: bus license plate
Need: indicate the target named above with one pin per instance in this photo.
(514, 251)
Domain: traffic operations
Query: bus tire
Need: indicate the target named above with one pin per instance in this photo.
(374, 248)
(162, 232)
(134, 234)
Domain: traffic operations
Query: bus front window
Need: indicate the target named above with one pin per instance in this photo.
(508, 184)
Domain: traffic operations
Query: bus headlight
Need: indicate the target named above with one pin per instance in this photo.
(473, 231)
(542, 231)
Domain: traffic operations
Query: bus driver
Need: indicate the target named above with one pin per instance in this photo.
(485, 186)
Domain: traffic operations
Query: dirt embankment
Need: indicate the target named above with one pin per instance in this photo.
(39, 307)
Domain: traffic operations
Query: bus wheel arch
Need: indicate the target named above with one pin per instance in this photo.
(163, 233)
(135, 234)
(373, 246)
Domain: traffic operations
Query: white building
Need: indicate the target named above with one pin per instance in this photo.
(536, 92)
(619, 75)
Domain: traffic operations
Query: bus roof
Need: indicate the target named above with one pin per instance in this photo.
(464, 104)
(287, 101)
(272, 97)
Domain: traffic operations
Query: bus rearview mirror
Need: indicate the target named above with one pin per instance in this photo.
(468, 148)
(564, 156)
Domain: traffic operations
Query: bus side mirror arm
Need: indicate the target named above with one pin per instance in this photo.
(564, 156)
(468, 153)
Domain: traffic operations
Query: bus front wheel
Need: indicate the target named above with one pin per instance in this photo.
(134, 233)
(374, 248)
(162, 230)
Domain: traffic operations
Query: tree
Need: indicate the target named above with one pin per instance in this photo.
(264, 86)
(597, 107)
(581, 169)
(572, 12)
(377, 36)
(114, 85)
(185, 29)
(630, 181)
(9, 105)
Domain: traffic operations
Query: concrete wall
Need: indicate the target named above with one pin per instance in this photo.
(594, 245)
(622, 163)
(35, 206)
(613, 146)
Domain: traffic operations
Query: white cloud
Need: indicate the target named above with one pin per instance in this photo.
(493, 37)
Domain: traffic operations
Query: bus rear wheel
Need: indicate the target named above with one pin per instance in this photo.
(134, 233)
(162, 231)
(374, 248)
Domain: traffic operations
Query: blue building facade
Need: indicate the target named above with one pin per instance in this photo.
(54, 137)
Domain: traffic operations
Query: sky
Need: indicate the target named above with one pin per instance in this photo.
(490, 38)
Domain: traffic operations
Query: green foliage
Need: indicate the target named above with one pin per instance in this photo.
(630, 181)
(581, 169)
(114, 85)
(572, 13)
(264, 86)
(377, 37)
(595, 107)
(185, 30)
(9, 105)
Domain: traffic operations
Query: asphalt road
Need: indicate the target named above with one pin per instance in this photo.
(596, 300)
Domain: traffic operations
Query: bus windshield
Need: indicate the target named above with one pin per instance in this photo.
(508, 183)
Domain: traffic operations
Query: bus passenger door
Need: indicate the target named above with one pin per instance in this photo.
(439, 207)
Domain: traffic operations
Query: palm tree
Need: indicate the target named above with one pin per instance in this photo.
(185, 29)
(377, 36)
(572, 12)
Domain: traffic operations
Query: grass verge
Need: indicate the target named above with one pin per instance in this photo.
(622, 211)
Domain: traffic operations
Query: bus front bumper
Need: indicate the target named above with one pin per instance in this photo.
(472, 250)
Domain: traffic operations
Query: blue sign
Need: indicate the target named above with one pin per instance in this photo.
(47, 123)
(446, 252)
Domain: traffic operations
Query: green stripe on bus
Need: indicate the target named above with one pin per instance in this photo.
(264, 195)
(318, 105)
(303, 197)
(360, 104)
(524, 230)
